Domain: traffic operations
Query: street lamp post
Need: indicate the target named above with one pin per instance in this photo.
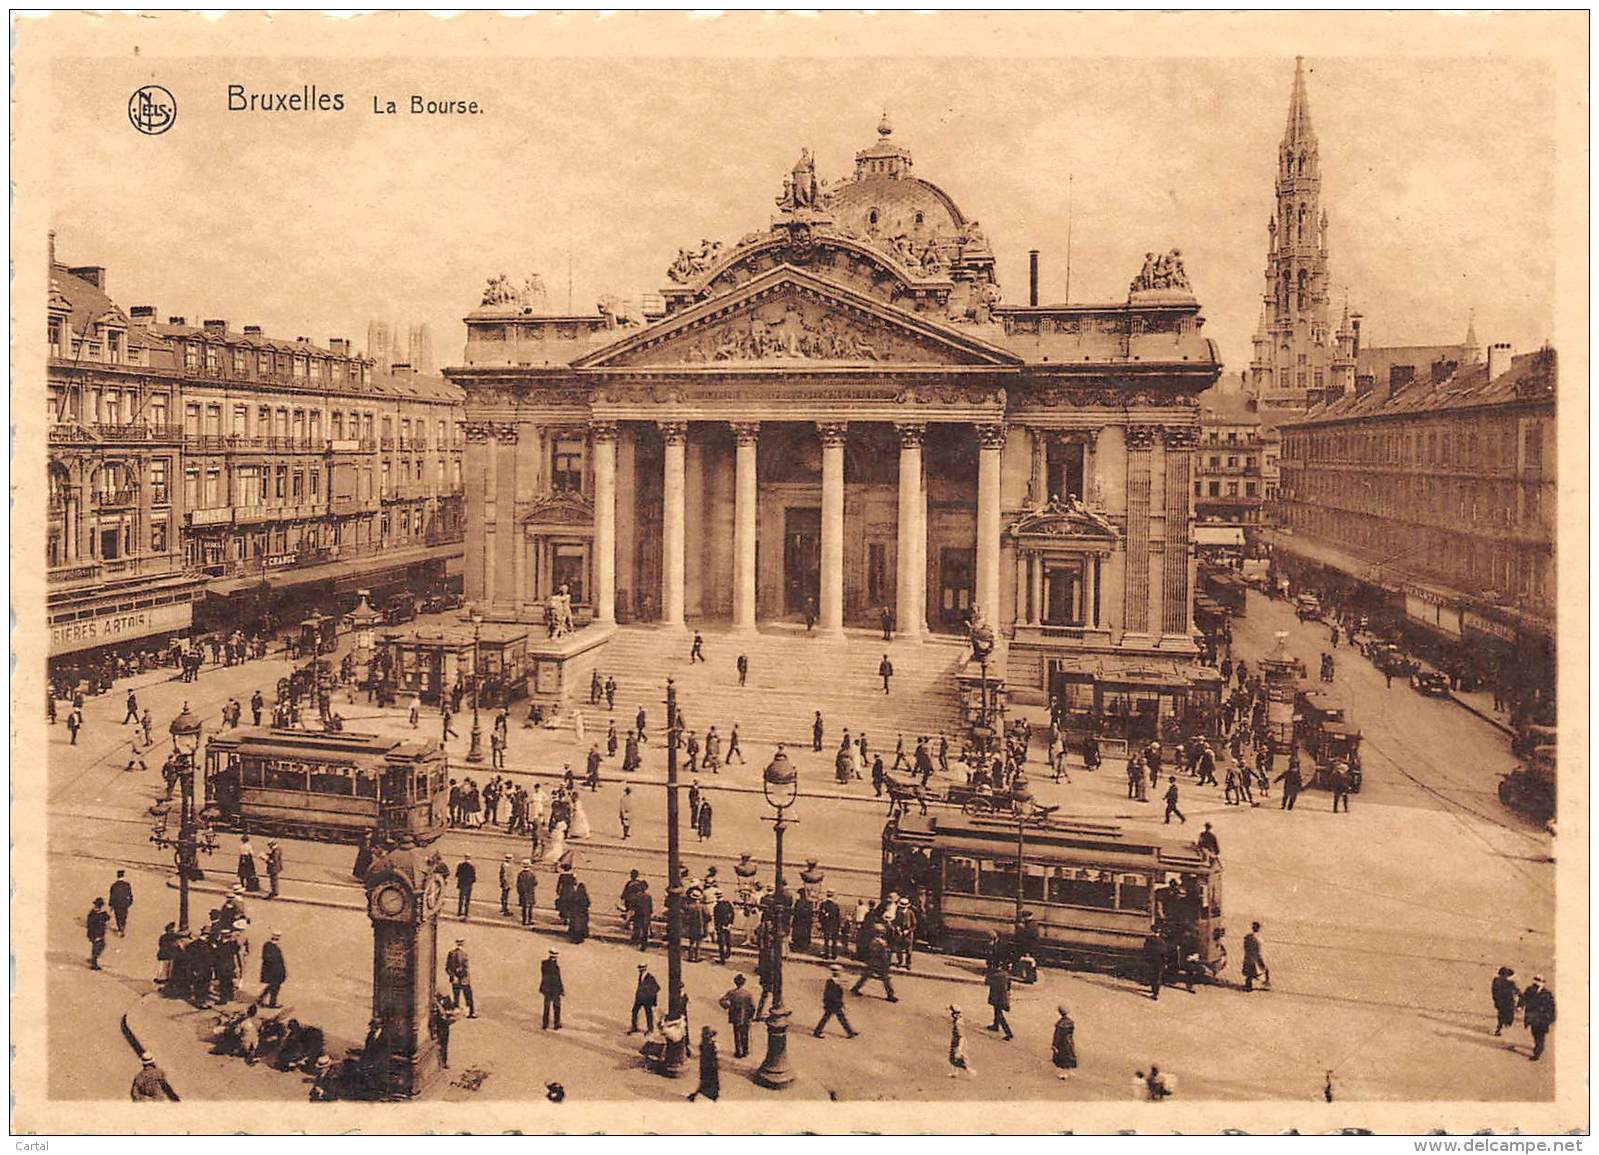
(185, 730)
(780, 783)
(676, 1053)
(475, 753)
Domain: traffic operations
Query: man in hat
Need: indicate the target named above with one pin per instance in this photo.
(150, 1084)
(645, 995)
(274, 865)
(441, 1017)
(957, 1045)
(459, 968)
(833, 1004)
(624, 812)
(1254, 961)
(876, 966)
(829, 918)
(1505, 995)
(527, 890)
(1538, 1003)
(96, 922)
(740, 1008)
(551, 987)
(465, 880)
(507, 881)
(121, 901)
(273, 970)
(905, 921)
(999, 982)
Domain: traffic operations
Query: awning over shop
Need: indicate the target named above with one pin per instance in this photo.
(362, 567)
(1225, 535)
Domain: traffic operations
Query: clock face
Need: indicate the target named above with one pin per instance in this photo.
(434, 894)
(390, 900)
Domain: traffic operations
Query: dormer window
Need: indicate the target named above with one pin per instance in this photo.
(871, 219)
(918, 220)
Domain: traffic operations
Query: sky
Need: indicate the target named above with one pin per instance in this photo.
(1437, 177)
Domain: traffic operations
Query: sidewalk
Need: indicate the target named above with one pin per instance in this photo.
(1480, 703)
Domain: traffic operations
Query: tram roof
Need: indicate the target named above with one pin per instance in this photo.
(1116, 844)
(273, 741)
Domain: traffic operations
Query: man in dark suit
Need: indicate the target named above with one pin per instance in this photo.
(829, 917)
(722, 918)
(274, 972)
(551, 987)
(645, 996)
(121, 901)
(833, 1004)
(527, 884)
(740, 1010)
(743, 668)
(643, 912)
(96, 924)
(465, 880)
(459, 967)
(1538, 1003)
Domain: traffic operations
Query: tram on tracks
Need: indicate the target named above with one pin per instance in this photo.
(1092, 891)
(335, 787)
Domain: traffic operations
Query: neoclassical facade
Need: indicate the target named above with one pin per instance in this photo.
(838, 412)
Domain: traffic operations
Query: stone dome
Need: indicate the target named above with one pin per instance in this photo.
(883, 200)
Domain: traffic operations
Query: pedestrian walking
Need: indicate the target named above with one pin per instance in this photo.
(274, 971)
(1135, 779)
(1339, 781)
(958, 1061)
(150, 1084)
(696, 652)
(133, 709)
(876, 966)
(1156, 958)
(458, 966)
(274, 865)
(465, 880)
(816, 733)
(710, 1068)
(886, 617)
(1254, 960)
(551, 988)
(639, 724)
(743, 668)
(999, 983)
(885, 670)
(578, 927)
(1505, 997)
(1292, 784)
(740, 1008)
(248, 878)
(703, 825)
(147, 724)
(96, 923)
(258, 703)
(1171, 802)
(121, 893)
(833, 1004)
(1538, 1013)
(507, 884)
(722, 922)
(1063, 1045)
(624, 811)
(1209, 844)
(527, 891)
(74, 724)
(645, 995)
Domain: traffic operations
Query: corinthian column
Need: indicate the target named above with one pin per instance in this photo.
(675, 435)
(990, 439)
(832, 526)
(603, 434)
(907, 602)
(748, 437)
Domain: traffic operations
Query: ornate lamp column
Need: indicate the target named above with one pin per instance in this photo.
(675, 436)
(832, 600)
(991, 440)
(475, 751)
(404, 889)
(604, 434)
(907, 605)
(780, 782)
(744, 501)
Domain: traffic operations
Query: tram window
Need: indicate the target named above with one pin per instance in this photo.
(997, 879)
(960, 875)
(1081, 887)
(332, 781)
(1033, 878)
(366, 784)
(285, 776)
(254, 772)
(1133, 893)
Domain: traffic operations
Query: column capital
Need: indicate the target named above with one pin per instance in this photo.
(1179, 437)
(505, 431)
(832, 432)
(603, 430)
(477, 432)
(673, 432)
(746, 432)
(1142, 437)
(911, 433)
(991, 436)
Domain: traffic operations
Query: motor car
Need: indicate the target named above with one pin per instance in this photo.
(1430, 683)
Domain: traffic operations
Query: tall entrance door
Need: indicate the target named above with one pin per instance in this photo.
(802, 558)
(956, 579)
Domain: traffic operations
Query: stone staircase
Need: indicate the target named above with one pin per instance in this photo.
(792, 675)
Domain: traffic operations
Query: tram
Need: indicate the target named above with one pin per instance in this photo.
(1093, 891)
(327, 787)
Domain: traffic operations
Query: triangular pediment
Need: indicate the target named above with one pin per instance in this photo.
(560, 508)
(787, 317)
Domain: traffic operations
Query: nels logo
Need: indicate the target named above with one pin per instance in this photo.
(152, 110)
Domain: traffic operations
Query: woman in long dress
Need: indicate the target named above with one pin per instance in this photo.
(1064, 1045)
(580, 820)
(710, 1069)
(578, 928)
(555, 849)
(248, 878)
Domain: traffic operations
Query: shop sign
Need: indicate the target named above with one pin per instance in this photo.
(86, 633)
(275, 560)
(1478, 623)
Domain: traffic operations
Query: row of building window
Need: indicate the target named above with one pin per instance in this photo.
(1469, 444)
(1446, 501)
(1215, 489)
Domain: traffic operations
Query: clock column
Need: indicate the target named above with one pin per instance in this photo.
(404, 889)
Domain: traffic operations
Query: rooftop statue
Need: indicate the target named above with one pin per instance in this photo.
(500, 293)
(690, 265)
(1162, 272)
(800, 190)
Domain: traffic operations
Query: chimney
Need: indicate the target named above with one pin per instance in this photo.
(252, 330)
(1399, 376)
(1442, 370)
(400, 369)
(340, 346)
(143, 313)
(1354, 324)
(94, 274)
(215, 328)
(52, 250)
(183, 321)
(1498, 359)
(1365, 383)
(1032, 277)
